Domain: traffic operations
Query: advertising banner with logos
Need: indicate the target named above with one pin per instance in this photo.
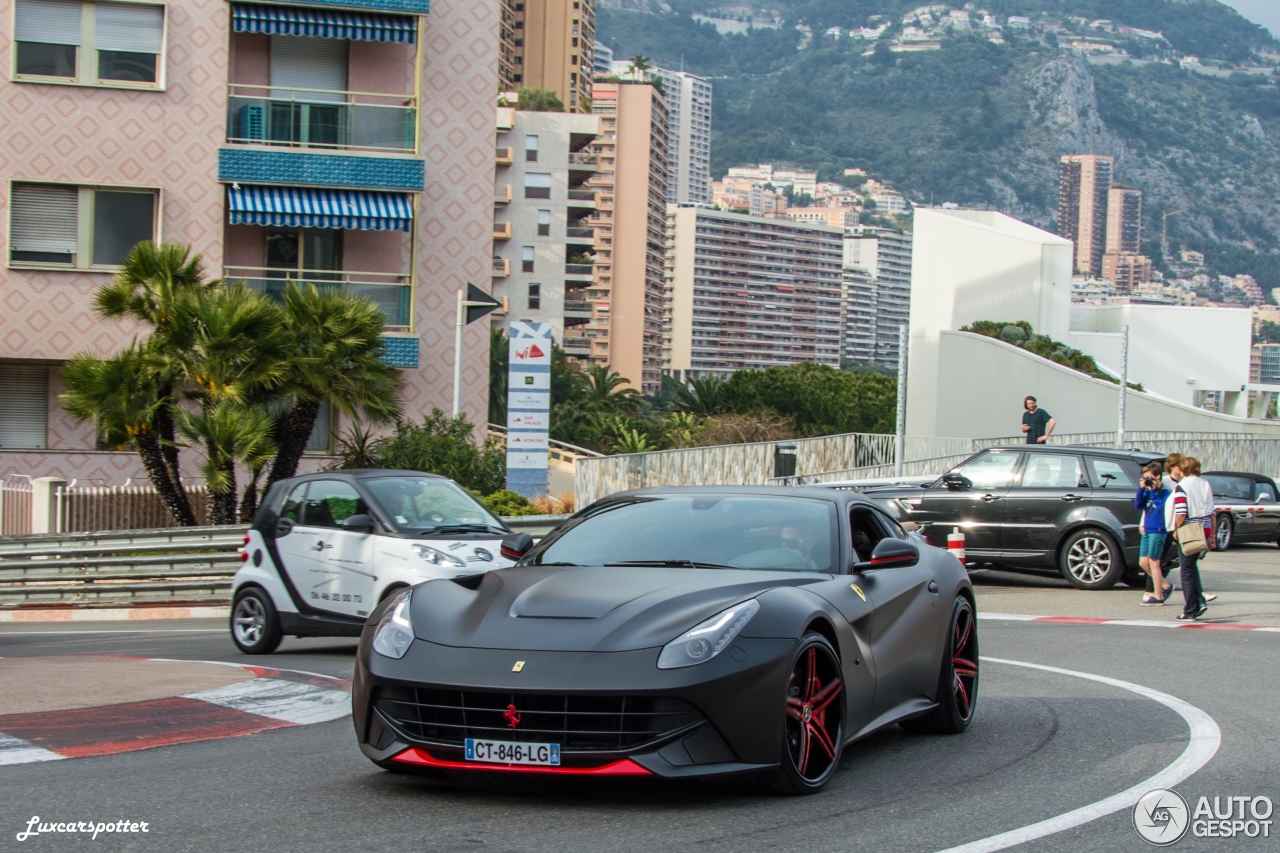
(528, 407)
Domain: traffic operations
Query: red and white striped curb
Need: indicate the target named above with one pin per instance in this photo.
(1130, 623)
(111, 614)
(273, 699)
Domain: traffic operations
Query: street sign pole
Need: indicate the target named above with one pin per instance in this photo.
(473, 303)
(900, 431)
(1124, 385)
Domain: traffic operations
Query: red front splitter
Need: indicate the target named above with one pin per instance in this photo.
(422, 758)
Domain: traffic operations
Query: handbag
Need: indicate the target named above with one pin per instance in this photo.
(1191, 539)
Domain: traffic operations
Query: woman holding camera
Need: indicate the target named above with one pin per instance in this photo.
(1150, 499)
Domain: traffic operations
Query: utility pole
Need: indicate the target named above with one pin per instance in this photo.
(473, 303)
(1164, 234)
(900, 431)
(1124, 385)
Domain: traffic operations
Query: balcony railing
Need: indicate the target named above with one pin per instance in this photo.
(579, 270)
(585, 234)
(322, 118)
(505, 156)
(502, 194)
(502, 230)
(391, 292)
(574, 345)
(588, 196)
(501, 267)
(577, 306)
(583, 160)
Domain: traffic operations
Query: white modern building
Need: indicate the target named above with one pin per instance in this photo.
(980, 265)
(543, 244)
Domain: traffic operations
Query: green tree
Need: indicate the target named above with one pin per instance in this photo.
(539, 100)
(822, 400)
(640, 65)
(438, 445)
(609, 390)
(1267, 333)
(499, 356)
(702, 397)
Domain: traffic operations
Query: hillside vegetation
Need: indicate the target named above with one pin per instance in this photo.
(983, 124)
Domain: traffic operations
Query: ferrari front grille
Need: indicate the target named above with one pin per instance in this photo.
(577, 723)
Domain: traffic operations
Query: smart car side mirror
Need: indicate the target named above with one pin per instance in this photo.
(516, 545)
(359, 523)
(955, 481)
(891, 554)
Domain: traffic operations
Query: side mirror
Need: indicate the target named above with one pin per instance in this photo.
(516, 545)
(891, 554)
(1265, 498)
(359, 523)
(955, 481)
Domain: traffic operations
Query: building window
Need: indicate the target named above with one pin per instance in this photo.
(537, 185)
(526, 259)
(45, 224)
(531, 148)
(535, 296)
(123, 42)
(544, 223)
(321, 438)
(24, 406)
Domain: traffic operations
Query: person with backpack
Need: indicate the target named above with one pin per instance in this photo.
(1150, 499)
(1189, 513)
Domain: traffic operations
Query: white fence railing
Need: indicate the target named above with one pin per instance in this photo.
(128, 507)
(15, 507)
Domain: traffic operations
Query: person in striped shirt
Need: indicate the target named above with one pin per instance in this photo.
(1192, 503)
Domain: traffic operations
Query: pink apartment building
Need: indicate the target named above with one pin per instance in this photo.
(337, 141)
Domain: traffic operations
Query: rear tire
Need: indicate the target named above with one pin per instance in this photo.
(1224, 533)
(812, 720)
(958, 680)
(1090, 559)
(1137, 580)
(255, 625)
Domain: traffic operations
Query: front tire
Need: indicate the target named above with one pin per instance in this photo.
(812, 720)
(1090, 559)
(958, 680)
(255, 625)
(1223, 533)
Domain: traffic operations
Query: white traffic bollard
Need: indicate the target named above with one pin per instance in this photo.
(955, 544)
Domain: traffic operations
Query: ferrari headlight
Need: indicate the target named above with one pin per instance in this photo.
(439, 558)
(708, 639)
(395, 632)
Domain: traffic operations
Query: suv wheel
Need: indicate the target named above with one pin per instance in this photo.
(1090, 559)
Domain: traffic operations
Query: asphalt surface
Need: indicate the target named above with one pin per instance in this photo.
(1041, 744)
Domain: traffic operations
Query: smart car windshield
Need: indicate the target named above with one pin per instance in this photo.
(425, 505)
(702, 531)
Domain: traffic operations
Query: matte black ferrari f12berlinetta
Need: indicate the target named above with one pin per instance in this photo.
(676, 632)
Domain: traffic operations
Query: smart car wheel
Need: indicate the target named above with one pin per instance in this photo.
(813, 722)
(958, 680)
(1223, 532)
(1090, 559)
(255, 626)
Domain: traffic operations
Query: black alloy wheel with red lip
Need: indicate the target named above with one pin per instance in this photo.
(814, 722)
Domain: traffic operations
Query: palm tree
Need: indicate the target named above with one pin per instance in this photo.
(122, 397)
(151, 281)
(229, 433)
(604, 388)
(337, 340)
(499, 356)
(702, 397)
(640, 66)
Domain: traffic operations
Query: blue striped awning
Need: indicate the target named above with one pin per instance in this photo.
(321, 23)
(298, 207)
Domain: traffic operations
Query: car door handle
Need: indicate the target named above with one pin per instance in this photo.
(1072, 498)
(320, 546)
(990, 498)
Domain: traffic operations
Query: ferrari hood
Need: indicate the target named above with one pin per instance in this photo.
(583, 608)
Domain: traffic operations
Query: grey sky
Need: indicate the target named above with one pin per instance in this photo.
(1265, 12)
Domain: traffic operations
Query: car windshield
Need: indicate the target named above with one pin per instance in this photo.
(1238, 488)
(701, 531)
(425, 505)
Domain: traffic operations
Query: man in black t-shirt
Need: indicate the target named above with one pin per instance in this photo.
(1036, 422)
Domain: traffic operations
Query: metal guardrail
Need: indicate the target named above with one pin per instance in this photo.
(173, 565)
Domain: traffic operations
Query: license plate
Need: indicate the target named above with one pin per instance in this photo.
(505, 752)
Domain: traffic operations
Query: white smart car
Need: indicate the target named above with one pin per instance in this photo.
(324, 549)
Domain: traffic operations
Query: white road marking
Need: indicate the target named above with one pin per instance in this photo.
(1203, 745)
(289, 701)
(15, 751)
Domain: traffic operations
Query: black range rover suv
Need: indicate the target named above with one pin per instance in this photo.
(1036, 507)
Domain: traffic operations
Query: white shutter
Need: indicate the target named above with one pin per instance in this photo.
(308, 63)
(47, 21)
(24, 406)
(43, 218)
(127, 27)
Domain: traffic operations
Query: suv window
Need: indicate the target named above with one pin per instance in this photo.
(991, 470)
(330, 502)
(1052, 471)
(1113, 473)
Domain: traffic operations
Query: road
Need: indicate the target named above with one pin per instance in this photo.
(1042, 744)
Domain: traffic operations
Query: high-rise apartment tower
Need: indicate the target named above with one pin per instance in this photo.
(1084, 184)
(1124, 220)
(548, 44)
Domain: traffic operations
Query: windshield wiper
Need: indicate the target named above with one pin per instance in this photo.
(683, 564)
(463, 528)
